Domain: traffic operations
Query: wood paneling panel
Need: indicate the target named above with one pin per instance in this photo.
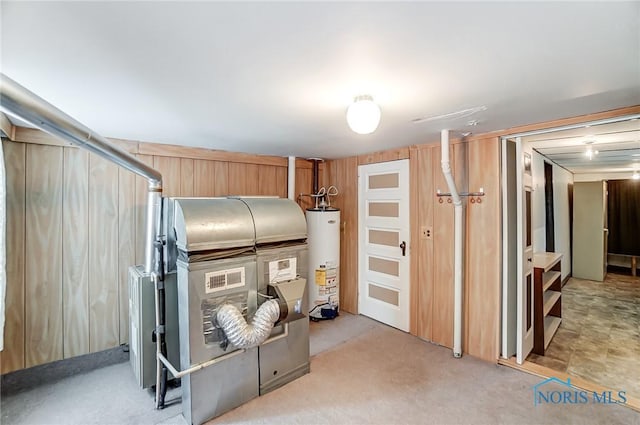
(126, 244)
(43, 248)
(483, 265)
(422, 204)
(442, 325)
(384, 156)
(209, 154)
(343, 173)
(252, 179)
(170, 170)
(304, 185)
(243, 179)
(6, 126)
(75, 250)
(211, 178)
(203, 176)
(186, 177)
(34, 136)
(220, 179)
(103, 254)
(266, 180)
(13, 355)
(281, 182)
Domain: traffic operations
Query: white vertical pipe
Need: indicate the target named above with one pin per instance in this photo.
(457, 245)
(291, 182)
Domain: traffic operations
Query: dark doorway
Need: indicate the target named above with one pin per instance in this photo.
(548, 207)
(570, 194)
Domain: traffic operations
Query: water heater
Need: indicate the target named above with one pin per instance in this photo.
(323, 238)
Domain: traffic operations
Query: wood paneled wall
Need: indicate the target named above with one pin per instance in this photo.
(13, 355)
(475, 164)
(432, 255)
(343, 173)
(43, 250)
(483, 266)
(75, 223)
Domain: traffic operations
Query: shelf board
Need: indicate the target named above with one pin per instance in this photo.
(548, 278)
(550, 298)
(551, 324)
(546, 260)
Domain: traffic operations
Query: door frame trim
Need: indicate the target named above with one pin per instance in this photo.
(362, 238)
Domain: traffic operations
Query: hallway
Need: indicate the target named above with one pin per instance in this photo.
(599, 338)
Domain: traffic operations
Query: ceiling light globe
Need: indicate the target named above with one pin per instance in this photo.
(363, 115)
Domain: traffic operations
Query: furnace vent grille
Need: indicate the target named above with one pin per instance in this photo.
(223, 279)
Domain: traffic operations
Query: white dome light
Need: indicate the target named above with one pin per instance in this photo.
(363, 115)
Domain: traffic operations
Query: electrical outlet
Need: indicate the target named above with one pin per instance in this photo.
(426, 232)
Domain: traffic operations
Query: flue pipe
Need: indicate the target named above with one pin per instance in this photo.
(291, 182)
(316, 175)
(21, 103)
(457, 245)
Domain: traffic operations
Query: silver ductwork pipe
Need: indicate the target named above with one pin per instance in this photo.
(244, 335)
(19, 102)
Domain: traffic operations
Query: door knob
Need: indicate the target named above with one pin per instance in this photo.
(403, 247)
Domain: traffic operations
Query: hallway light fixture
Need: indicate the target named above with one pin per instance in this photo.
(363, 115)
(590, 151)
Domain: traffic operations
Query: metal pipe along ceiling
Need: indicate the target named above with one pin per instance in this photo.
(21, 103)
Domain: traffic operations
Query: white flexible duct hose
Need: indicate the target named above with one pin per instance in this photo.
(244, 335)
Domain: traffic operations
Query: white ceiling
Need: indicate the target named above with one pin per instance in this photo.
(277, 78)
(617, 146)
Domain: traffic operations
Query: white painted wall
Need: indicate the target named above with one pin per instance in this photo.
(537, 203)
(596, 177)
(612, 259)
(561, 180)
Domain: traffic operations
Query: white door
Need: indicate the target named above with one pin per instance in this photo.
(509, 249)
(383, 242)
(524, 339)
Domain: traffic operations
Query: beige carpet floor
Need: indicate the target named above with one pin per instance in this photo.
(362, 372)
(385, 376)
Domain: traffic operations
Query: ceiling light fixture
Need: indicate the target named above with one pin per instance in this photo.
(590, 152)
(363, 115)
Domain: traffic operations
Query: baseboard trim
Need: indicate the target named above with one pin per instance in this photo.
(25, 379)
